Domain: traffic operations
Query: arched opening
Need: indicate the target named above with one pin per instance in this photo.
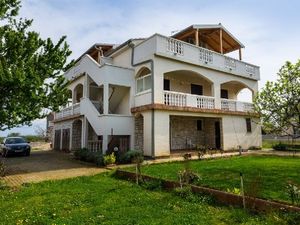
(76, 134)
(236, 90)
(78, 93)
(189, 82)
(143, 80)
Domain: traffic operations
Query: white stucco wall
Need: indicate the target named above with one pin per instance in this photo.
(235, 132)
(147, 133)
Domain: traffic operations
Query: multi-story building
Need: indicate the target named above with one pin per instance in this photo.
(161, 94)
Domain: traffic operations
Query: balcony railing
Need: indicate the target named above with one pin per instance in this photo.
(179, 99)
(68, 111)
(170, 47)
(233, 105)
(182, 99)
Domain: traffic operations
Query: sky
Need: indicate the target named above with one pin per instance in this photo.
(269, 29)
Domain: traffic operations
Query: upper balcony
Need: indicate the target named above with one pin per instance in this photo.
(190, 53)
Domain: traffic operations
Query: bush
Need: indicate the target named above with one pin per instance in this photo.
(84, 154)
(254, 148)
(109, 159)
(280, 147)
(293, 192)
(132, 156)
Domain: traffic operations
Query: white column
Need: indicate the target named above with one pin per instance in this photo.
(84, 133)
(105, 98)
(73, 96)
(104, 143)
(86, 87)
(217, 95)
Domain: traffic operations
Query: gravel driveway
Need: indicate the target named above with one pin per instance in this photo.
(45, 165)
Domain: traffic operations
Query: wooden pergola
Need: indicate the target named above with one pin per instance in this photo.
(214, 37)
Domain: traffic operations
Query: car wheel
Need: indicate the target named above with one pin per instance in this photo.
(27, 153)
(4, 154)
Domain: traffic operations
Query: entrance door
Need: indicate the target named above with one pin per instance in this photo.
(217, 135)
(66, 140)
(57, 134)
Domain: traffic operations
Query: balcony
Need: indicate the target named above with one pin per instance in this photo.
(179, 50)
(233, 105)
(68, 111)
(204, 102)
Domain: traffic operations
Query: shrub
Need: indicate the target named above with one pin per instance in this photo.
(235, 191)
(280, 147)
(132, 156)
(84, 154)
(109, 159)
(254, 148)
(294, 192)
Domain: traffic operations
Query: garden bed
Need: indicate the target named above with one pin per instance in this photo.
(220, 196)
(273, 173)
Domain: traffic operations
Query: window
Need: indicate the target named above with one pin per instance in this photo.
(248, 125)
(199, 124)
(143, 83)
(224, 93)
(196, 89)
(166, 85)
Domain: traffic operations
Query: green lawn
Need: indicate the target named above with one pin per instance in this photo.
(103, 199)
(224, 173)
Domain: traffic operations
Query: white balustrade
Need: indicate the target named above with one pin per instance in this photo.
(206, 55)
(205, 102)
(68, 111)
(199, 55)
(175, 46)
(174, 98)
(95, 146)
(183, 99)
(233, 105)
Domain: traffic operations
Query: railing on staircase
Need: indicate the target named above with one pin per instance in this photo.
(95, 146)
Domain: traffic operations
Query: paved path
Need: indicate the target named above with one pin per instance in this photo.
(45, 165)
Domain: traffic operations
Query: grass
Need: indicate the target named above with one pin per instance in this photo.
(268, 144)
(102, 199)
(223, 174)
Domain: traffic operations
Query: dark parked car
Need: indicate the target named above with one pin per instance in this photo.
(15, 145)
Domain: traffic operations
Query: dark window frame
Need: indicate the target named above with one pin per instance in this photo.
(248, 125)
(199, 125)
(167, 85)
(196, 89)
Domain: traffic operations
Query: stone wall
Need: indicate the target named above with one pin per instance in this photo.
(139, 133)
(184, 133)
(76, 135)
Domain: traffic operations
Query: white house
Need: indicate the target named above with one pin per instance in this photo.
(161, 94)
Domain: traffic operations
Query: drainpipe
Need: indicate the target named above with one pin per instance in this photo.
(131, 45)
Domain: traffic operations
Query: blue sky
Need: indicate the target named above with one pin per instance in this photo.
(269, 29)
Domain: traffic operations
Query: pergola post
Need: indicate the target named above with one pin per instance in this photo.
(197, 37)
(240, 53)
(221, 41)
